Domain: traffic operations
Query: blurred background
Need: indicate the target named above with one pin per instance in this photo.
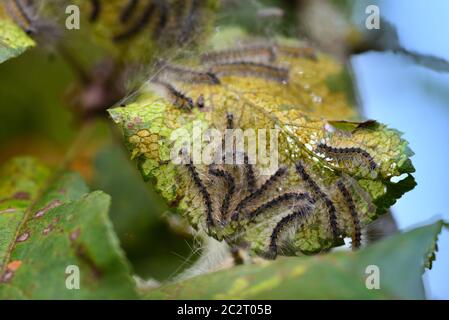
(414, 99)
(400, 76)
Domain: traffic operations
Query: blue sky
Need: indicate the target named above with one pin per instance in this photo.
(415, 100)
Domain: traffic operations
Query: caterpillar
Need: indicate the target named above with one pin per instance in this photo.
(320, 195)
(188, 25)
(163, 19)
(297, 52)
(279, 200)
(249, 174)
(178, 99)
(251, 69)
(175, 73)
(258, 192)
(348, 154)
(258, 54)
(300, 214)
(95, 10)
(357, 234)
(230, 184)
(139, 25)
(128, 10)
(204, 193)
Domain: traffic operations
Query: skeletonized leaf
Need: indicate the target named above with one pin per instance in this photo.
(333, 173)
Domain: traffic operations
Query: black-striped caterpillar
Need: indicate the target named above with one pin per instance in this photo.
(357, 155)
(244, 208)
(251, 69)
(175, 22)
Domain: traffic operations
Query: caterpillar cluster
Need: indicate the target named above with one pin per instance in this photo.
(234, 202)
(259, 61)
(231, 197)
(172, 21)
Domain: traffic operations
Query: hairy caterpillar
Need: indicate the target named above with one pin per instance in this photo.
(139, 25)
(357, 233)
(279, 200)
(249, 172)
(258, 192)
(297, 52)
(189, 24)
(178, 99)
(300, 214)
(204, 193)
(321, 196)
(174, 73)
(164, 11)
(128, 10)
(230, 184)
(251, 69)
(348, 154)
(260, 54)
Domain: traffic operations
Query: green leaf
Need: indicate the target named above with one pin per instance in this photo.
(401, 260)
(49, 223)
(13, 40)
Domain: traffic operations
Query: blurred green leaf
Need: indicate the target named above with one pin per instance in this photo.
(401, 260)
(138, 214)
(31, 90)
(49, 224)
(13, 40)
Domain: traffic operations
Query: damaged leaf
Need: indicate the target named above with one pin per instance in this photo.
(327, 183)
(51, 226)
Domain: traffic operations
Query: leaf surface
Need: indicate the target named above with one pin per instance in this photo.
(13, 40)
(400, 259)
(50, 224)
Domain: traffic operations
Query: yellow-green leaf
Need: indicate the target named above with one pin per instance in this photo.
(282, 86)
(13, 40)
